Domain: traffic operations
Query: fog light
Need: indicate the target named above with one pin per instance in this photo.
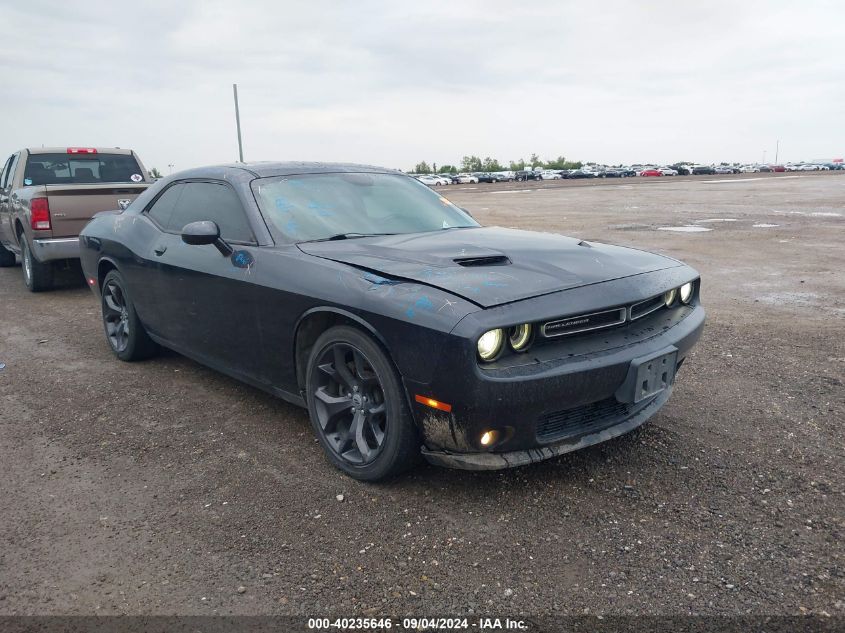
(686, 292)
(489, 437)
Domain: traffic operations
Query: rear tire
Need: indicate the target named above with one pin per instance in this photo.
(7, 257)
(358, 407)
(37, 276)
(125, 333)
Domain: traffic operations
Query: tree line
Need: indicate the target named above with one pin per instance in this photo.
(475, 163)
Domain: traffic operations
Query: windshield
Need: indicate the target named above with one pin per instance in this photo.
(321, 206)
(62, 169)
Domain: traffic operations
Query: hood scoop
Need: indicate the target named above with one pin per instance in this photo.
(484, 260)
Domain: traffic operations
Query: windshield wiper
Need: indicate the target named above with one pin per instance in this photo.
(347, 236)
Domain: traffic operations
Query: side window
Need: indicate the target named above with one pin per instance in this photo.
(3, 170)
(215, 202)
(9, 170)
(162, 208)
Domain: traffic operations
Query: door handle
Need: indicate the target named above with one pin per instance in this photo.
(159, 250)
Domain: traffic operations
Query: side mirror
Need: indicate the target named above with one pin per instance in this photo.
(203, 233)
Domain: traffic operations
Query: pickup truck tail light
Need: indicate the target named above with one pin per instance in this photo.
(40, 214)
(81, 150)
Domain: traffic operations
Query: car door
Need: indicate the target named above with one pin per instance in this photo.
(140, 265)
(206, 301)
(7, 228)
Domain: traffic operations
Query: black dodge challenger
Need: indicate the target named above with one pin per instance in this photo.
(404, 326)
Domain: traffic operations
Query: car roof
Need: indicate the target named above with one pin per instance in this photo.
(268, 169)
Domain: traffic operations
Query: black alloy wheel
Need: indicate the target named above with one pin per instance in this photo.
(124, 331)
(115, 316)
(357, 407)
(349, 403)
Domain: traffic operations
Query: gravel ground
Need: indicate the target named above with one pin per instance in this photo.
(165, 488)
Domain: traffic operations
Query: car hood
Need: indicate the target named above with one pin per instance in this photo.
(490, 265)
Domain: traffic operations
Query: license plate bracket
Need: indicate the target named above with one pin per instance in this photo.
(649, 375)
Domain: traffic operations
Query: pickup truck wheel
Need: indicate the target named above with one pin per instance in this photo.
(358, 408)
(124, 331)
(37, 275)
(7, 257)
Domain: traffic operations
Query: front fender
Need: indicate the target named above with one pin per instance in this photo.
(411, 320)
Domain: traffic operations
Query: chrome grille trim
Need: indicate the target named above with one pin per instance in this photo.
(625, 314)
(621, 318)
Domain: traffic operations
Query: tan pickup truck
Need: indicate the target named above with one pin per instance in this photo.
(48, 194)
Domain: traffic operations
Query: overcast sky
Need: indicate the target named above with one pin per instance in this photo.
(392, 83)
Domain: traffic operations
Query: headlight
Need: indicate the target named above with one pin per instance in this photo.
(490, 344)
(669, 296)
(519, 336)
(686, 292)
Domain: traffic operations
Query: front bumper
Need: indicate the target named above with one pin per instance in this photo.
(50, 249)
(557, 406)
(512, 459)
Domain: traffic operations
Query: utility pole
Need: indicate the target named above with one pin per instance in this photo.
(777, 147)
(171, 167)
(238, 122)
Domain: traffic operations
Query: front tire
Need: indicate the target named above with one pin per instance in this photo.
(37, 276)
(358, 408)
(125, 333)
(7, 257)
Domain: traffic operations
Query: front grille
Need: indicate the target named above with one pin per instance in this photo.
(586, 419)
(648, 306)
(585, 322)
(600, 320)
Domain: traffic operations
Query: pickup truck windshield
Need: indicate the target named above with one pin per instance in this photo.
(328, 206)
(64, 169)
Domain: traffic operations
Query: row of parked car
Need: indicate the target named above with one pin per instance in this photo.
(436, 180)
(696, 170)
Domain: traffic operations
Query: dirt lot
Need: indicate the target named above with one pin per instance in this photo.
(163, 487)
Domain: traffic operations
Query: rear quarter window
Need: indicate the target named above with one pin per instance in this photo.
(162, 209)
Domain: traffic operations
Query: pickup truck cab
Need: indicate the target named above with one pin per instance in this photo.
(48, 194)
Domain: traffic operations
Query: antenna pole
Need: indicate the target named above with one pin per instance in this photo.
(238, 123)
